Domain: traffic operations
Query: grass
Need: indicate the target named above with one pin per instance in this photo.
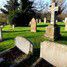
(35, 38)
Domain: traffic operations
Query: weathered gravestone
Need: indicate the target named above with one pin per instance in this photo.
(39, 20)
(53, 31)
(1, 37)
(23, 50)
(33, 25)
(66, 24)
(54, 53)
(24, 45)
(44, 20)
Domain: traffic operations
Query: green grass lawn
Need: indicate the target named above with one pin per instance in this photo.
(35, 38)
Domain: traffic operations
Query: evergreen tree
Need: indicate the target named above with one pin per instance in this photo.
(11, 9)
(26, 6)
(26, 13)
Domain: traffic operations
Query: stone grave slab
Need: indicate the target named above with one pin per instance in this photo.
(24, 45)
(54, 53)
(12, 57)
(33, 25)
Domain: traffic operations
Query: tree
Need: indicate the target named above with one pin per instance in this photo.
(26, 13)
(11, 9)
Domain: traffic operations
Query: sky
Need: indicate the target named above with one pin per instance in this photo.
(39, 4)
(2, 3)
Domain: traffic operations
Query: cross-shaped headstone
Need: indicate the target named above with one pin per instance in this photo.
(53, 9)
(53, 30)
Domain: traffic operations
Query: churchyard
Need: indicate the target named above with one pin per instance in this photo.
(38, 44)
(35, 37)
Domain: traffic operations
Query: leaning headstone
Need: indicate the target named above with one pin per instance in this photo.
(22, 51)
(24, 45)
(54, 53)
(53, 31)
(33, 25)
(65, 24)
(44, 20)
(1, 37)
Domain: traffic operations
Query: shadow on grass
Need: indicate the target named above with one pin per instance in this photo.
(33, 58)
(61, 25)
(5, 39)
(42, 25)
(28, 62)
(14, 31)
(63, 38)
(40, 30)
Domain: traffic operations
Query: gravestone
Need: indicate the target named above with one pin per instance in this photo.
(1, 37)
(65, 24)
(56, 20)
(44, 20)
(53, 31)
(39, 20)
(13, 26)
(54, 53)
(63, 20)
(22, 51)
(24, 45)
(33, 25)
